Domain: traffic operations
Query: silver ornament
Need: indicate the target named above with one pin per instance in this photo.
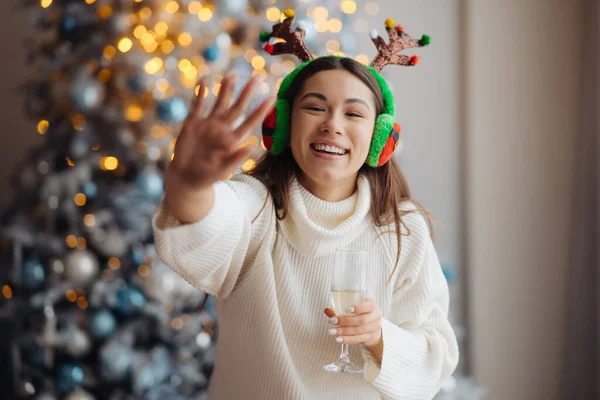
(75, 341)
(87, 94)
(81, 265)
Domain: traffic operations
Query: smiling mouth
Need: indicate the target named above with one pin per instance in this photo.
(326, 149)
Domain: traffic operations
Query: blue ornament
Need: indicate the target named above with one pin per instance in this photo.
(151, 183)
(90, 189)
(138, 254)
(172, 110)
(102, 324)
(152, 374)
(130, 301)
(68, 377)
(209, 307)
(211, 53)
(69, 24)
(136, 83)
(32, 274)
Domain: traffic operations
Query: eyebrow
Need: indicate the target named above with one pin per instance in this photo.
(322, 97)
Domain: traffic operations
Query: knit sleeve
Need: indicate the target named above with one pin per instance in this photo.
(420, 350)
(213, 253)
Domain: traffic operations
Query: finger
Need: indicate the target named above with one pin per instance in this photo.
(224, 97)
(357, 320)
(364, 338)
(242, 102)
(250, 124)
(366, 306)
(199, 101)
(239, 156)
(355, 330)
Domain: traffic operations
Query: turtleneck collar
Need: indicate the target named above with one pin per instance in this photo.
(315, 227)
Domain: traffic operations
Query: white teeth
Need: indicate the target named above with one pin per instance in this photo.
(329, 149)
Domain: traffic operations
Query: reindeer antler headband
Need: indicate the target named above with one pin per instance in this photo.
(386, 53)
(386, 133)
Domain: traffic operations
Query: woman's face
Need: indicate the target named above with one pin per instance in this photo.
(333, 117)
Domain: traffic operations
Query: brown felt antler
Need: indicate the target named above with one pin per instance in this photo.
(399, 40)
(294, 39)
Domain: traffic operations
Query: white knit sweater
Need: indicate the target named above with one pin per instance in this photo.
(271, 282)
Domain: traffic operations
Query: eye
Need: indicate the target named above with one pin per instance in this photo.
(314, 108)
(354, 115)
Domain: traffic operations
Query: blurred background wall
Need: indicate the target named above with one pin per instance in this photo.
(489, 120)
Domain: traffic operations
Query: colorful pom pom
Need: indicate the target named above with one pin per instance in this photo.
(425, 40)
(389, 23)
(400, 28)
(269, 48)
(289, 13)
(265, 36)
(414, 60)
(373, 33)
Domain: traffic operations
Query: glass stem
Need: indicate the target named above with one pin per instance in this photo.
(344, 354)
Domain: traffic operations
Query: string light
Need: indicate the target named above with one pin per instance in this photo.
(335, 25)
(140, 31)
(348, 6)
(144, 270)
(145, 13)
(125, 45)
(258, 62)
(89, 220)
(82, 302)
(362, 58)
(114, 263)
(90, 1)
(167, 47)
(161, 28)
(7, 292)
(71, 296)
(109, 52)
(248, 165)
(109, 163)
(46, 3)
(71, 241)
(177, 323)
(104, 75)
(81, 243)
(153, 66)
(273, 14)
(43, 126)
(320, 13)
(185, 39)
(194, 7)
(205, 14)
(105, 12)
(80, 199)
(172, 7)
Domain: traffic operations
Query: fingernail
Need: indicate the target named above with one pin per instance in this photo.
(332, 331)
(333, 321)
(339, 339)
(350, 310)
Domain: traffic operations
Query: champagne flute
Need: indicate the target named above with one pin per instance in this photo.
(348, 287)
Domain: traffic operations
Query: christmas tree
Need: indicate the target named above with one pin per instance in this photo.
(87, 309)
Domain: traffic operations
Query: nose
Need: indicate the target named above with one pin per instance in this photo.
(331, 125)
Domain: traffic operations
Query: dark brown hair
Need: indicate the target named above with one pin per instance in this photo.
(389, 188)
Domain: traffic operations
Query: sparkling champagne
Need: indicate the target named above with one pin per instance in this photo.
(345, 298)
